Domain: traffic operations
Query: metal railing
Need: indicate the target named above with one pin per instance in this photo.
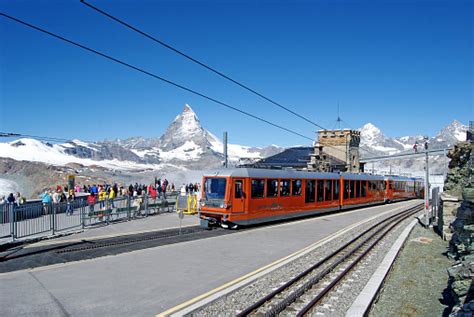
(39, 219)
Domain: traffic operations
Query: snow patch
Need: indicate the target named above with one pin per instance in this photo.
(7, 187)
(188, 151)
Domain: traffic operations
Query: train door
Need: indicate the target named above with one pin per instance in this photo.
(238, 203)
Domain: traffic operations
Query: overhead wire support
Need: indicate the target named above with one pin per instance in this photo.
(201, 64)
(154, 76)
(37, 137)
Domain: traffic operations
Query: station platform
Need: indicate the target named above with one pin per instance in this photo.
(152, 281)
(152, 223)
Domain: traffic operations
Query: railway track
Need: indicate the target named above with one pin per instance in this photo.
(22, 258)
(302, 293)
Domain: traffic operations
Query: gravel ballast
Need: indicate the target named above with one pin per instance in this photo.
(236, 301)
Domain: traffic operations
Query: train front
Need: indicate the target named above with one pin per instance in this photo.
(215, 201)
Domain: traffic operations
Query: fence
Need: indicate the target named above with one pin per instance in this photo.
(40, 219)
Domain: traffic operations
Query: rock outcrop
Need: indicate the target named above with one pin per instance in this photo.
(457, 224)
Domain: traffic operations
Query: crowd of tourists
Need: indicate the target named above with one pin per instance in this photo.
(12, 198)
(104, 193)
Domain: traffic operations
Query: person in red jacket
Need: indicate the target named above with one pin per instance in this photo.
(152, 192)
(91, 201)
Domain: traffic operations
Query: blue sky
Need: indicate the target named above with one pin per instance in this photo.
(405, 66)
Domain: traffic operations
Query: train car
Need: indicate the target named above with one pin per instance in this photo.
(245, 196)
(362, 190)
(402, 188)
(419, 188)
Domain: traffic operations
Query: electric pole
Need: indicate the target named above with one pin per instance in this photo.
(427, 184)
(225, 149)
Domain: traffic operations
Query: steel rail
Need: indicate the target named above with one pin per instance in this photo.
(334, 282)
(304, 273)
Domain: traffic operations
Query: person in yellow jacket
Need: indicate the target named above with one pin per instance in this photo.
(112, 196)
(102, 197)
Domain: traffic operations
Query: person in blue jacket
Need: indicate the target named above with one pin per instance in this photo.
(46, 200)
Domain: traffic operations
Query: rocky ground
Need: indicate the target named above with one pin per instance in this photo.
(417, 281)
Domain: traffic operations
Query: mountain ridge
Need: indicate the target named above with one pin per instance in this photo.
(187, 145)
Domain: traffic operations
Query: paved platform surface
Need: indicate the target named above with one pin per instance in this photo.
(150, 281)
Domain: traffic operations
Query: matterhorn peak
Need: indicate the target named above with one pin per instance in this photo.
(187, 108)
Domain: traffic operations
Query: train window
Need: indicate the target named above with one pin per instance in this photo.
(310, 191)
(364, 189)
(357, 189)
(296, 187)
(272, 188)
(390, 186)
(258, 188)
(320, 190)
(238, 189)
(346, 189)
(352, 190)
(336, 189)
(214, 188)
(328, 189)
(285, 187)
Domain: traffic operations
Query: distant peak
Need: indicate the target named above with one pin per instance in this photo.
(187, 108)
(370, 127)
(456, 123)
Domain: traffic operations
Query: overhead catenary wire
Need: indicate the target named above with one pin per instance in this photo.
(154, 76)
(37, 137)
(219, 73)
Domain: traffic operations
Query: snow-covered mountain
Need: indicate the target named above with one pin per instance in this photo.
(375, 143)
(185, 144)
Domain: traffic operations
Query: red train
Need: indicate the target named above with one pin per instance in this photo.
(244, 196)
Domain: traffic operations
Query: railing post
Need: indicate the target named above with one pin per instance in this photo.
(12, 222)
(146, 205)
(83, 214)
(53, 218)
(129, 211)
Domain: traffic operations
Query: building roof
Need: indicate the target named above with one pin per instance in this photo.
(295, 157)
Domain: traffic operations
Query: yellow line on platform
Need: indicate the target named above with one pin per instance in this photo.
(295, 254)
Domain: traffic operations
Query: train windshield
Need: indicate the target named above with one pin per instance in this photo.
(214, 188)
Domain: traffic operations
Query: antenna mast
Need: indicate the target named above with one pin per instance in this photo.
(338, 117)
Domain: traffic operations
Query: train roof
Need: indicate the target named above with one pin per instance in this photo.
(270, 173)
(402, 178)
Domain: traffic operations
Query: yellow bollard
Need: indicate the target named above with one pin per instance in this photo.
(191, 205)
(195, 204)
(188, 210)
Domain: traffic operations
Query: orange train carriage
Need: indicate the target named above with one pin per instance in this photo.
(244, 196)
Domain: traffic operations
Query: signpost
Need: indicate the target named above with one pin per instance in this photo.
(427, 184)
(181, 216)
(71, 180)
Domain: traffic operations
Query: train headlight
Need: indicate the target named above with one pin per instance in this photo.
(203, 203)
